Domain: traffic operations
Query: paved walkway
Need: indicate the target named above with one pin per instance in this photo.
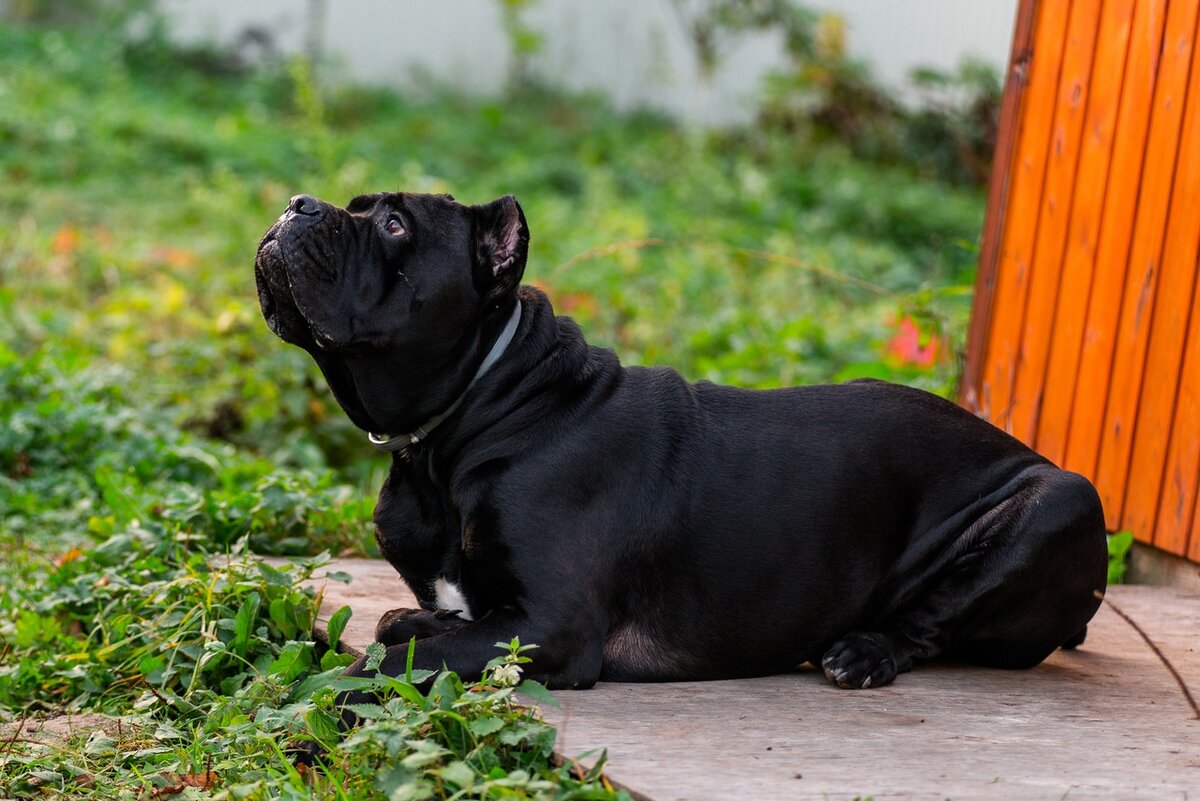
(1107, 721)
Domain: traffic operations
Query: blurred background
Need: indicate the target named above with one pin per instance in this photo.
(757, 192)
(700, 61)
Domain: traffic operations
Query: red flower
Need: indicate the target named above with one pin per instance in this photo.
(905, 345)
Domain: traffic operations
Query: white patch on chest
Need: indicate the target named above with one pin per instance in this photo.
(450, 596)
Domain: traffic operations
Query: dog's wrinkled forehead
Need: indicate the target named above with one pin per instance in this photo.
(428, 213)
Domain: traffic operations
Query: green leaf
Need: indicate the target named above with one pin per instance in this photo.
(303, 612)
(1118, 554)
(322, 725)
(213, 650)
(332, 659)
(337, 624)
(117, 549)
(446, 689)
(116, 494)
(597, 769)
(376, 651)
(151, 666)
(482, 727)
(244, 622)
(190, 453)
(317, 681)
(537, 692)
(520, 732)
(283, 617)
(424, 752)
(343, 684)
(293, 660)
(1120, 543)
(405, 690)
(391, 778)
(367, 711)
(274, 575)
(459, 774)
(416, 791)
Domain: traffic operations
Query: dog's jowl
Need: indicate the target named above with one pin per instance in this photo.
(639, 527)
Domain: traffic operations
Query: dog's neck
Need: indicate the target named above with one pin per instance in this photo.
(400, 442)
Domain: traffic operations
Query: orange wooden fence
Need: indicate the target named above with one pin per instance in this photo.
(1085, 336)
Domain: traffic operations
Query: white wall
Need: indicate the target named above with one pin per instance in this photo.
(633, 50)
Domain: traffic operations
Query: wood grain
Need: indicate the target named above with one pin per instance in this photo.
(1003, 165)
(1044, 272)
(1168, 329)
(1132, 332)
(1021, 218)
(1088, 203)
(1112, 252)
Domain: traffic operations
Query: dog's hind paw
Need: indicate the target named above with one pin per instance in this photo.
(1074, 642)
(860, 660)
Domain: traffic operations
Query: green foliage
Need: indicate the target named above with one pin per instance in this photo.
(143, 612)
(1118, 555)
(80, 459)
(113, 15)
(949, 133)
(956, 124)
(524, 41)
(212, 662)
(709, 22)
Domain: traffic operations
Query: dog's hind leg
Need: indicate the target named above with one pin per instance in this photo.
(1075, 641)
(1026, 582)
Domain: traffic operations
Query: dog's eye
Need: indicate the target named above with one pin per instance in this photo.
(393, 226)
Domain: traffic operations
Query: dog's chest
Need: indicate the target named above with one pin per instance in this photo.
(449, 551)
(449, 597)
(419, 534)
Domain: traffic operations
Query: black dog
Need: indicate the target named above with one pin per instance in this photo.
(638, 527)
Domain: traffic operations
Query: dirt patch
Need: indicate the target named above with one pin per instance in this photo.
(62, 727)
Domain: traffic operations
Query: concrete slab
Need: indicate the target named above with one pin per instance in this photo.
(1107, 721)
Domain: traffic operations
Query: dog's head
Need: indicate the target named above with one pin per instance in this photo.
(392, 294)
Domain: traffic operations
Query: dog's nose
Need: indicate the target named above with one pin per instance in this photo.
(304, 204)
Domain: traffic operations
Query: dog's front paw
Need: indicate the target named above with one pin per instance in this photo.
(860, 660)
(398, 626)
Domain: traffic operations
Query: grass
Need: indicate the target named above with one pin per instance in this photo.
(154, 435)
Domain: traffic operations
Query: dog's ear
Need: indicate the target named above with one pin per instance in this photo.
(500, 242)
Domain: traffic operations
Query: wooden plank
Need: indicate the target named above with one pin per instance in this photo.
(1194, 542)
(939, 732)
(1145, 259)
(1044, 269)
(1021, 219)
(1087, 214)
(1003, 162)
(1120, 208)
(1168, 330)
(1177, 503)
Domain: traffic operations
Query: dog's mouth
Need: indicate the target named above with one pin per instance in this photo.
(270, 275)
(281, 308)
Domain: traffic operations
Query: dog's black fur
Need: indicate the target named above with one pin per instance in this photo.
(639, 527)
